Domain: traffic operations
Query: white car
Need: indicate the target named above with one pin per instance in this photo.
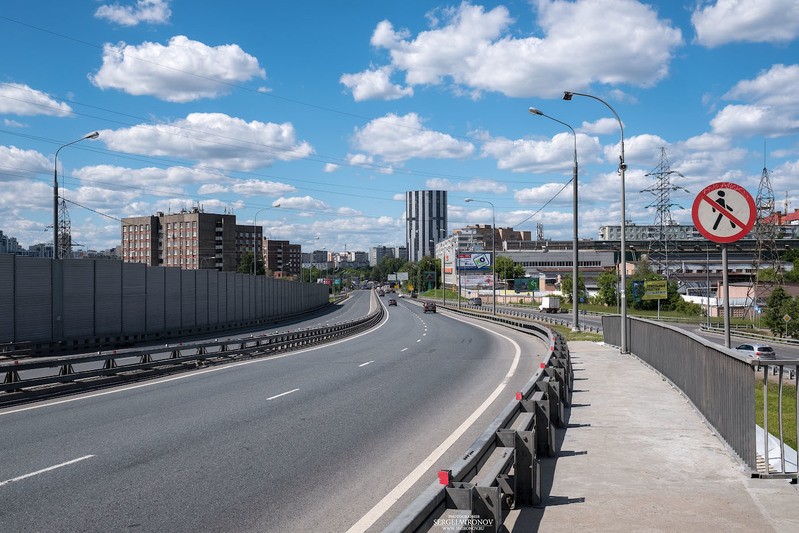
(758, 351)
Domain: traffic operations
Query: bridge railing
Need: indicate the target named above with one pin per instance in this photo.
(720, 383)
(501, 469)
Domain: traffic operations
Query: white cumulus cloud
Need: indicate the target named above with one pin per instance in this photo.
(21, 100)
(214, 139)
(149, 11)
(183, 71)
(756, 21)
(399, 138)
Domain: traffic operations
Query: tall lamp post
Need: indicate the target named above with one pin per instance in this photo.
(567, 95)
(92, 135)
(493, 253)
(255, 241)
(575, 243)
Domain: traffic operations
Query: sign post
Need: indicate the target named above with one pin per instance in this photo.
(724, 212)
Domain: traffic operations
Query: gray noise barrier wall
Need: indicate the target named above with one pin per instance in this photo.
(51, 305)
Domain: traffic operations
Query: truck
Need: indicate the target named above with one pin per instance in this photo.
(549, 304)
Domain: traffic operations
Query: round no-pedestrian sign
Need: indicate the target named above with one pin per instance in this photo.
(724, 212)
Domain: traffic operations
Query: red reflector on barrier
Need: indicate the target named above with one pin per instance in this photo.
(444, 476)
(543, 365)
(519, 396)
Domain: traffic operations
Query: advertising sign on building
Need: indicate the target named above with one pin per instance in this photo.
(474, 261)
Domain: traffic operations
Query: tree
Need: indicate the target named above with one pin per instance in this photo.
(777, 306)
(245, 265)
(566, 286)
(507, 268)
(606, 282)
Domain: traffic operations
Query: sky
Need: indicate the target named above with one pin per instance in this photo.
(312, 119)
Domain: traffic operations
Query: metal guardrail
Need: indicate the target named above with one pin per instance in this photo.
(501, 469)
(129, 365)
(547, 318)
(742, 332)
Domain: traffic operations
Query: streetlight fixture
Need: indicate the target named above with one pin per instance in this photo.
(255, 241)
(493, 253)
(92, 135)
(575, 243)
(567, 95)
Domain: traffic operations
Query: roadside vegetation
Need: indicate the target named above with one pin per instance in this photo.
(788, 410)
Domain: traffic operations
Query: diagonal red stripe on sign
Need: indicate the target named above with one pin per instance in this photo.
(725, 212)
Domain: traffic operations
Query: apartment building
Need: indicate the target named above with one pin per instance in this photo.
(283, 259)
(190, 240)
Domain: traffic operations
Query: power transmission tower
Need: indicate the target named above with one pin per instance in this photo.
(64, 232)
(766, 256)
(664, 239)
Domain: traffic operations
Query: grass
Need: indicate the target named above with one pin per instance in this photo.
(788, 410)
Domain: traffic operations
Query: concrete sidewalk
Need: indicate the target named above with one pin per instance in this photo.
(636, 456)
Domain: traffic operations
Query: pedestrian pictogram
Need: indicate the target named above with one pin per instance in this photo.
(724, 212)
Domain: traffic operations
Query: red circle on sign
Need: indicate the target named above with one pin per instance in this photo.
(702, 217)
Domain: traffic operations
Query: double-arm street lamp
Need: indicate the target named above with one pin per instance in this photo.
(92, 135)
(493, 253)
(622, 168)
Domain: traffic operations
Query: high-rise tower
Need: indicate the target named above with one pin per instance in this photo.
(425, 222)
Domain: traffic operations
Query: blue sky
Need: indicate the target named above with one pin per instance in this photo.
(334, 109)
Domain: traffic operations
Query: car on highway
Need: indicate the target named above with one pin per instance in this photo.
(392, 301)
(429, 307)
(758, 351)
(476, 301)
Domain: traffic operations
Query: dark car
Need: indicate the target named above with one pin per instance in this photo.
(758, 351)
(392, 301)
(429, 307)
(476, 301)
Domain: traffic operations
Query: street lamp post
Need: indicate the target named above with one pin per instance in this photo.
(493, 253)
(575, 243)
(567, 95)
(92, 135)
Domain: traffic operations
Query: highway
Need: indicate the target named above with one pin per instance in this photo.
(321, 439)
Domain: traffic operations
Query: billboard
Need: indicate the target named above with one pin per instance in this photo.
(474, 280)
(474, 261)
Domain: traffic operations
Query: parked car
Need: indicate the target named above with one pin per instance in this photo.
(392, 301)
(476, 301)
(429, 307)
(758, 351)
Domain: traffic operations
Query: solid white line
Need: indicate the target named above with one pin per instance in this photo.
(366, 363)
(282, 394)
(18, 478)
(392, 497)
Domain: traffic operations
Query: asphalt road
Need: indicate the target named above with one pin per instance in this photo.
(315, 440)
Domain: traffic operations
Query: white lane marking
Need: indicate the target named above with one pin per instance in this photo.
(419, 340)
(282, 394)
(192, 374)
(392, 497)
(42, 471)
(403, 349)
(366, 363)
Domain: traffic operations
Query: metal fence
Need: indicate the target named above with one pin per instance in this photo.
(83, 303)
